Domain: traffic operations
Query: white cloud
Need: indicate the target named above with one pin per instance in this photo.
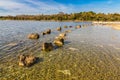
(14, 7)
(17, 7)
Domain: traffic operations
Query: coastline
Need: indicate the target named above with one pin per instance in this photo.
(114, 25)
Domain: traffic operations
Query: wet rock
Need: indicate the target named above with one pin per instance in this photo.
(77, 27)
(59, 29)
(62, 35)
(59, 41)
(21, 63)
(22, 57)
(47, 47)
(27, 60)
(48, 31)
(43, 33)
(70, 26)
(33, 36)
(30, 60)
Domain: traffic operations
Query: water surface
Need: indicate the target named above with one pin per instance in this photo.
(89, 53)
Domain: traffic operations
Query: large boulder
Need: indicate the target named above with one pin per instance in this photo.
(33, 36)
(47, 46)
(27, 60)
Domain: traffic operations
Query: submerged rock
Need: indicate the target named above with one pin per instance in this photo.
(70, 26)
(65, 72)
(21, 63)
(65, 26)
(30, 60)
(33, 36)
(73, 49)
(47, 47)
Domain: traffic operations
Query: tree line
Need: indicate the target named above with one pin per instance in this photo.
(81, 16)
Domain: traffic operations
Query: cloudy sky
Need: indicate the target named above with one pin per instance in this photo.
(17, 7)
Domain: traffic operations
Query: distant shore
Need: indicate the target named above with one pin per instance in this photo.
(114, 25)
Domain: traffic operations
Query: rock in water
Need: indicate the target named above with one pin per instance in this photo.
(33, 36)
(30, 60)
(59, 29)
(62, 35)
(47, 47)
(77, 27)
(48, 31)
(65, 27)
(27, 60)
(70, 26)
(59, 42)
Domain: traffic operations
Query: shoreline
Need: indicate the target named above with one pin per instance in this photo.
(114, 25)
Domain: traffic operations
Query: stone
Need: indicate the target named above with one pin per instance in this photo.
(48, 31)
(47, 46)
(62, 35)
(30, 60)
(22, 57)
(27, 60)
(33, 36)
(65, 26)
(59, 29)
(21, 63)
(70, 26)
(59, 41)
(77, 27)
(43, 33)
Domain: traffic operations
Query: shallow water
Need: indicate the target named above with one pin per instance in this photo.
(89, 53)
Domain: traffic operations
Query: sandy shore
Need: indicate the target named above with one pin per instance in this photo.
(114, 25)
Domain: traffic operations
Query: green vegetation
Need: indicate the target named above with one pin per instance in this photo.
(82, 16)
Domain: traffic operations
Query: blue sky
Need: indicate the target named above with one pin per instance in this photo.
(31, 7)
